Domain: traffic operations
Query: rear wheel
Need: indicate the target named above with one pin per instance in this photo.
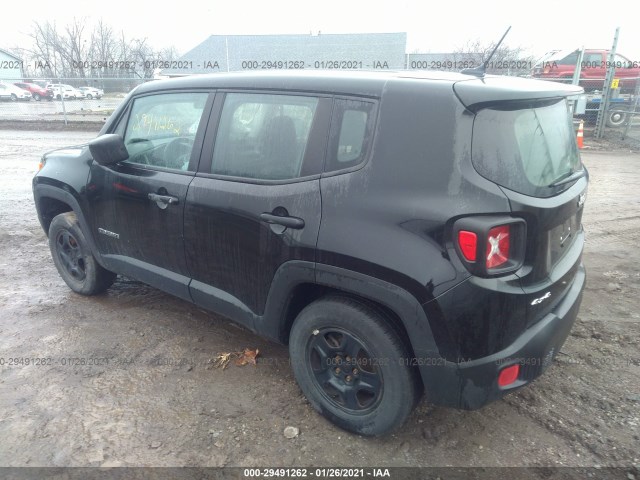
(352, 366)
(14, 97)
(73, 258)
(37, 97)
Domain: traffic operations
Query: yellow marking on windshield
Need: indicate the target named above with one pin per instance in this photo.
(148, 123)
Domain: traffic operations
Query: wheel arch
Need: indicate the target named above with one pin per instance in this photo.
(306, 293)
(48, 208)
(297, 284)
(51, 201)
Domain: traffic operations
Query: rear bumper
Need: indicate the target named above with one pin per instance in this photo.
(472, 384)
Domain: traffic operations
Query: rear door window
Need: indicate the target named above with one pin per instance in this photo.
(263, 136)
(526, 148)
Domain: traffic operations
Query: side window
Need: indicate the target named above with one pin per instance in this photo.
(593, 60)
(121, 126)
(621, 62)
(351, 134)
(263, 136)
(570, 59)
(161, 129)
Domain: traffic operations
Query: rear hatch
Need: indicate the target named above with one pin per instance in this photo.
(524, 141)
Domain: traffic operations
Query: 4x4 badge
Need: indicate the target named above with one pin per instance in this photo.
(538, 301)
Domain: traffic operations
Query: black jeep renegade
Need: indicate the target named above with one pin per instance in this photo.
(402, 233)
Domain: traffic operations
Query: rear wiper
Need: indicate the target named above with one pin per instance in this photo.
(571, 178)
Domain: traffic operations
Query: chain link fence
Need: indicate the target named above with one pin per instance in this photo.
(62, 99)
(621, 117)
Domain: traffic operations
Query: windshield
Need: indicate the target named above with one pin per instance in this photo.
(526, 149)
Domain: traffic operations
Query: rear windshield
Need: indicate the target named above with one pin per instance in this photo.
(526, 148)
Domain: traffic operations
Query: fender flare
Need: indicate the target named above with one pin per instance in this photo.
(396, 299)
(41, 191)
(293, 273)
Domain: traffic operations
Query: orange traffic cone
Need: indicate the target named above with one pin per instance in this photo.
(580, 136)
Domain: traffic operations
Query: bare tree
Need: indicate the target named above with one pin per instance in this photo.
(506, 60)
(44, 52)
(75, 54)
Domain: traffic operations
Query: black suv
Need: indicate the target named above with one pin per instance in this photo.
(400, 232)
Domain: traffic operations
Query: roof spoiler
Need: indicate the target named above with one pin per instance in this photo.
(478, 93)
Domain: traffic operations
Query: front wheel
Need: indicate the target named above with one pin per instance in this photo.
(37, 97)
(73, 258)
(352, 366)
(14, 97)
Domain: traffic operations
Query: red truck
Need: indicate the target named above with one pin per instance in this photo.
(560, 65)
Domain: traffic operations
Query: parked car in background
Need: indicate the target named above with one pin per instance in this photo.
(13, 93)
(90, 92)
(60, 91)
(37, 92)
(561, 64)
(79, 94)
(41, 83)
(4, 93)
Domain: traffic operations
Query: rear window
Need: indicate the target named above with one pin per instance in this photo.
(526, 148)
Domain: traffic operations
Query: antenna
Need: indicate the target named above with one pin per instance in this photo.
(479, 71)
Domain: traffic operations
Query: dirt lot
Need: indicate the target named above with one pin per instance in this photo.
(152, 397)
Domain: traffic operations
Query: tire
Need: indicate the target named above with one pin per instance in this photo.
(14, 97)
(73, 258)
(616, 119)
(58, 97)
(359, 349)
(89, 97)
(37, 97)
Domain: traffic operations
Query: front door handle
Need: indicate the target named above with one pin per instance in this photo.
(163, 201)
(285, 221)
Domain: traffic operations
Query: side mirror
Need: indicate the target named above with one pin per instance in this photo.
(108, 149)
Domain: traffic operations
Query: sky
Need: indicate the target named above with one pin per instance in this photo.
(439, 27)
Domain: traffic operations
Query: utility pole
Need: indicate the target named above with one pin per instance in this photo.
(606, 90)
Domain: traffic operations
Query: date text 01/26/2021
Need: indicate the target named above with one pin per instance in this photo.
(324, 472)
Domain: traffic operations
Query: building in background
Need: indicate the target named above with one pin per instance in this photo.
(10, 67)
(234, 53)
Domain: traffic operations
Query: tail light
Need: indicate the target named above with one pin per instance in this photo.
(468, 242)
(508, 375)
(490, 246)
(498, 246)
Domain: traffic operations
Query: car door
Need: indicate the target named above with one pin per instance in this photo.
(255, 202)
(138, 205)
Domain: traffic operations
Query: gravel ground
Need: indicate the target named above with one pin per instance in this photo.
(148, 395)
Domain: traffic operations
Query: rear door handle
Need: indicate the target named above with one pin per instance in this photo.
(163, 201)
(289, 222)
